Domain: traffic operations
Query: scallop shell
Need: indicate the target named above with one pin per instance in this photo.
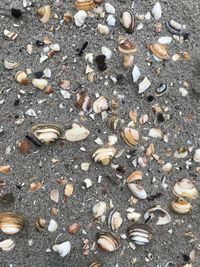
(134, 176)
(137, 190)
(11, 223)
(127, 47)
(127, 20)
(10, 65)
(44, 13)
(84, 5)
(76, 133)
(185, 188)
(104, 155)
(130, 136)
(181, 206)
(46, 133)
(159, 50)
(140, 234)
(80, 18)
(100, 104)
(95, 264)
(115, 220)
(21, 77)
(107, 242)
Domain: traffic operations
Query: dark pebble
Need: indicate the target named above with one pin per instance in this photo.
(16, 13)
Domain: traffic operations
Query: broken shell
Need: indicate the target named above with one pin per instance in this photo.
(73, 228)
(7, 245)
(40, 224)
(196, 157)
(100, 104)
(109, 8)
(69, 189)
(67, 17)
(130, 136)
(155, 133)
(10, 65)
(134, 176)
(136, 73)
(127, 20)
(107, 242)
(84, 4)
(132, 215)
(144, 85)
(157, 11)
(5, 169)
(112, 122)
(53, 226)
(21, 77)
(166, 40)
(63, 249)
(11, 223)
(140, 234)
(99, 209)
(102, 29)
(185, 188)
(181, 153)
(162, 89)
(162, 219)
(54, 195)
(87, 183)
(144, 118)
(44, 13)
(29, 49)
(104, 155)
(137, 190)
(84, 102)
(46, 133)
(158, 27)
(10, 35)
(127, 47)
(181, 206)
(76, 133)
(80, 18)
(167, 167)
(114, 220)
(106, 52)
(35, 186)
(95, 264)
(40, 83)
(159, 50)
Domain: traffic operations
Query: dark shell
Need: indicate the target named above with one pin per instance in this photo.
(176, 28)
(162, 89)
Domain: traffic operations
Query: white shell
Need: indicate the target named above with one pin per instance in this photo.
(52, 226)
(137, 190)
(136, 73)
(162, 219)
(10, 65)
(40, 83)
(196, 157)
(132, 215)
(7, 245)
(99, 209)
(55, 47)
(109, 8)
(102, 29)
(47, 73)
(106, 52)
(63, 249)
(54, 195)
(165, 40)
(148, 16)
(111, 20)
(167, 167)
(65, 94)
(155, 133)
(100, 104)
(144, 85)
(157, 11)
(89, 57)
(76, 133)
(80, 18)
(185, 188)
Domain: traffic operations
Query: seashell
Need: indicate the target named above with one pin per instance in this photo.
(87, 183)
(137, 190)
(89, 57)
(53, 226)
(166, 40)
(144, 85)
(73, 228)
(130, 136)
(136, 73)
(67, 17)
(148, 16)
(54, 195)
(99, 209)
(196, 157)
(175, 27)
(133, 116)
(100, 104)
(159, 50)
(127, 20)
(84, 5)
(7, 245)
(29, 49)
(40, 83)
(24, 146)
(63, 249)
(162, 219)
(112, 122)
(69, 188)
(157, 11)
(21, 77)
(102, 29)
(109, 8)
(111, 20)
(95, 264)
(155, 133)
(112, 140)
(44, 13)
(150, 150)
(162, 89)
(181, 153)
(185, 188)
(134, 176)
(127, 47)
(132, 215)
(40, 224)
(104, 154)
(10, 65)
(115, 220)
(140, 234)
(181, 206)
(46, 133)
(167, 167)
(106, 52)
(5, 169)
(76, 133)
(11, 223)
(80, 18)
(144, 118)
(107, 242)
(10, 35)
(35, 186)
(158, 27)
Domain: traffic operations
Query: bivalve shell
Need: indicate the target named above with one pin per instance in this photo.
(165, 219)
(22, 78)
(176, 28)
(104, 154)
(76, 133)
(127, 47)
(84, 102)
(44, 13)
(144, 85)
(84, 5)
(11, 223)
(115, 220)
(10, 65)
(99, 209)
(127, 20)
(159, 50)
(40, 83)
(95, 264)
(185, 188)
(137, 190)
(181, 206)
(80, 18)
(107, 242)
(100, 104)
(63, 249)
(46, 133)
(140, 234)
(134, 176)
(196, 157)
(10, 35)
(130, 136)
(7, 245)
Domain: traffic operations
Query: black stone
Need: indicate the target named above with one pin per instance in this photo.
(16, 103)
(150, 98)
(16, 13)
(160, 117)
(39, 43)
(100, 59)
(38, 74)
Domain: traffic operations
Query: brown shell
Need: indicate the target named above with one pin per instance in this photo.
(10, 221)
(109, 238)
(127, 47)
(95, 264)
(159, 50)
(84, 5)
(130, 136)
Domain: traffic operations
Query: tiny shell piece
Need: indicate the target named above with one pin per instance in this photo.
(80, 18)
(157, 11)
(63, 249)
(54, 195)
(99, 209)
(144, 85)
(76, 133)
(69, 188)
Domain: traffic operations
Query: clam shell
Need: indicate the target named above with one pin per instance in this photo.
(196, 157)
(104, 155)
(127, 47)
(113, 122)
(162, 89)
(102, 29)
(115, 220)
(11, 223)
(100, 104)
(134, 176)
(80, 18)
(185, 188)
(107, 242)
(10, 65)
(176, 28)
(127, 20)
(95, 264)
(76, 133)
(181, 206)
(21, 77)
(44, 13)
(99, 209)
(63, 249)
(84, 5)
(130, 136)
(10, 35)
(54, 195)
(137, 190)
(155, 133)
(140, 234)
(159, 50)
(161, 219)
(7, 245)
(46, 133)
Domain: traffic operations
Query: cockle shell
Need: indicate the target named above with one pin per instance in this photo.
(7, 245)
(63, 249)
(100, 104)
(185, 188)
(104, 155)
(159, 50)
(115, 220)
(140, 234)
(44, 13)
(107, 242)
(130, 136)
(181, 206)
(80, 18)
(84, 5)
(21, 77)
(137, 190)
(11, 223)
(99, 209)
(10, 65)
(76, 133)
(127, 20)
(46, 133)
